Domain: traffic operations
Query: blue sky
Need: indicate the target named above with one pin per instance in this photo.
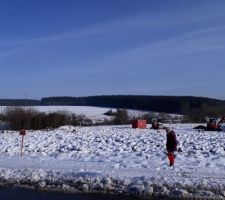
(98, 47)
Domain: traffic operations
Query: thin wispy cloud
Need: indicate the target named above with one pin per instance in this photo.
(196, 41)
(126, 24)
(158, 46)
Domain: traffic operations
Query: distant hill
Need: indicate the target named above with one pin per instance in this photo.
(169, 104)
(194, 107)
(19, 102)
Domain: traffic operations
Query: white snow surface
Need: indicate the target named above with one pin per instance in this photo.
(96, 114)
(116, 159)
(91, 112)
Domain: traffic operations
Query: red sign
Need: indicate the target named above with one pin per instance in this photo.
(22, 132)
(139, 123)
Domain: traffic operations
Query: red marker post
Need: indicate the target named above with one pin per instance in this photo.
(22, 133)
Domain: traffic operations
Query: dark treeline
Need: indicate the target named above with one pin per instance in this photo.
(28, 118)
(196, 108)
(187, 105)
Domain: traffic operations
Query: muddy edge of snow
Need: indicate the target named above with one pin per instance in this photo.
(138, 187)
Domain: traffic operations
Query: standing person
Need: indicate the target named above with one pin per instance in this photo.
(155, 124)
(171, 144)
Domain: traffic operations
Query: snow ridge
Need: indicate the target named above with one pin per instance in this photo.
(116, 159)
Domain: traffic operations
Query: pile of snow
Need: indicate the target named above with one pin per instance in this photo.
(116, 159)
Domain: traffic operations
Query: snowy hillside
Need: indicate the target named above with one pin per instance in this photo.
(116, 159)
(93, 113)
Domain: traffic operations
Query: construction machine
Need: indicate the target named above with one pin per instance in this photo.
(214, 124)
(156, 124)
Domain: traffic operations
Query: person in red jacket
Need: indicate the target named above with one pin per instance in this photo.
(171, 144)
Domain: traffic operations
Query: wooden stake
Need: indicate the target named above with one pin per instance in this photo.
(21, 152)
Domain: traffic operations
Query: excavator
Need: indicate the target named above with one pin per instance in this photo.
(214, 124)
(156, 124)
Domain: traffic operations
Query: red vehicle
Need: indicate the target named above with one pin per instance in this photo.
(156, 124)
(214, 124)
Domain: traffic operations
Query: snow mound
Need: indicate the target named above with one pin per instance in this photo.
(116, 159)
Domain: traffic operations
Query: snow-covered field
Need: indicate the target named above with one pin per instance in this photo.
(116, 159)
(96, 114)
(93, 113)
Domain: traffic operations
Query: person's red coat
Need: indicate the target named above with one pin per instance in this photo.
(171, 143)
